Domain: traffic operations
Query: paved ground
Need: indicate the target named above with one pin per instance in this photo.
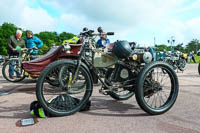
(106, 115)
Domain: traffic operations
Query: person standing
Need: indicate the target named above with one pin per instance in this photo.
(192, 56)
(33, 42)
(149, 49)
(13, 42)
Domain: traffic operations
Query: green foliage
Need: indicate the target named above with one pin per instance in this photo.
(194, 45)
(6, 30)
(44, 49)
(162, 47)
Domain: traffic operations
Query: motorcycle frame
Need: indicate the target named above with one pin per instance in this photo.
(88, 41)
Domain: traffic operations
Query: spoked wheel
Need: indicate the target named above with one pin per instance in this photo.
(120, 93)
(12, 71)
(157, 88)
(182, 64)
(64, 102)
(66, 75)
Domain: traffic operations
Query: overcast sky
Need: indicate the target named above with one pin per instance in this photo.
(132, 20)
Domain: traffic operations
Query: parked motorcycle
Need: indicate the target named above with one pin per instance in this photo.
(176, 61)
(155, 84)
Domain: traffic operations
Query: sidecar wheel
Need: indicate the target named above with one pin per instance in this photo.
(56, 100)
(5, 71)
(157, 88)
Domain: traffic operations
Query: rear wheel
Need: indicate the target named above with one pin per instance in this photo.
(157, 88)
(12, 71)
(120, 93)
(72, 102)
(199, 68)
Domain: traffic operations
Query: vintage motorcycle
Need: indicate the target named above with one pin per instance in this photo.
(155, 84)
(176, 61)
(25, 67)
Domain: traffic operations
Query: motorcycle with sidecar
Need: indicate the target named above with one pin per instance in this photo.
(155, 84)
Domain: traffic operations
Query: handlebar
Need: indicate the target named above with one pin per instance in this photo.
(91, 33)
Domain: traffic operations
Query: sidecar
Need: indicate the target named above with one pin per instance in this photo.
(35, 66)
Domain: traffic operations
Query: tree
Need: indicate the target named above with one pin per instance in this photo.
(179, 47)
(6, 30)
(194, 45)
(162, 47)
(65, 36)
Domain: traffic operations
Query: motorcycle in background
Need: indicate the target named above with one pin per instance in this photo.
(176, 61)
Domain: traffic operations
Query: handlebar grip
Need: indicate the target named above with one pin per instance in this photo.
(110, 33)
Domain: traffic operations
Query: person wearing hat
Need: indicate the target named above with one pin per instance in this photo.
(13, 42)
(34, 42)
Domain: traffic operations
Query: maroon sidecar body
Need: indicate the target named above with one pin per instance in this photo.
(34, 67)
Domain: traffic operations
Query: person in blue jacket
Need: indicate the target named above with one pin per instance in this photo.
(34, 42)
(151, 51)
(101, 43)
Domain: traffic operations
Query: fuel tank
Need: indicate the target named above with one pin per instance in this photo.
(104, 59)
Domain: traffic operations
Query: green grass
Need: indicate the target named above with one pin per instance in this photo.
(197, 58)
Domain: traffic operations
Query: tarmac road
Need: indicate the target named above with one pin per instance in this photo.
(106, 115)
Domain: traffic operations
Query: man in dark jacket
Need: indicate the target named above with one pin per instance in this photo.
(13, 42)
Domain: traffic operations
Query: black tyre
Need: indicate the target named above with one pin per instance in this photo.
(45, 92)
(182, 64)
(156, 88)
(121, 93)
(199, 68)
(18, 71)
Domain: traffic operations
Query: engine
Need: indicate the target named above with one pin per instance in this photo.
(120, 76)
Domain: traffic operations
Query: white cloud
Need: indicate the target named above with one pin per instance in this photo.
(184, 31)
(131, 20)
(36, 19)
(127, 18)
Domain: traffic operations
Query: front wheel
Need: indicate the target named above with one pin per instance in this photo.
(57, 100)
(157, 88)
(182, 64)
(12, 71)
(199, 68)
